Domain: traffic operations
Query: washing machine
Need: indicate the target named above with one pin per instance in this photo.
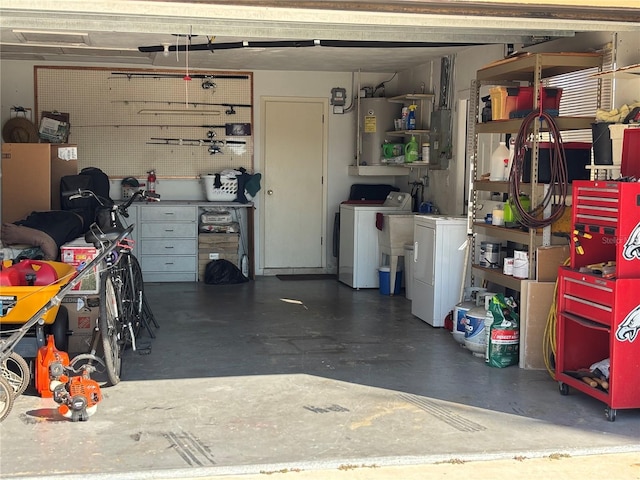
(359, 252)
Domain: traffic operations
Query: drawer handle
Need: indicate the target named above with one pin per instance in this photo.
(168, 263)
(168, 246)
(169, 230)
(587, 302)
(169, 213)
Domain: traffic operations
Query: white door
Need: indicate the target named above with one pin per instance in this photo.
(294, 166)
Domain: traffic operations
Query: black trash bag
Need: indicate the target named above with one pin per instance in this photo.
(223, 272)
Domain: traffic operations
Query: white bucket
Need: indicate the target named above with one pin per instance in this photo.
(520, 264)
(490, 254)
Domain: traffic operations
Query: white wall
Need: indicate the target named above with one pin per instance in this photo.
(17, 88)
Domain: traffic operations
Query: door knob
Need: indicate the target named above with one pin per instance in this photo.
(269, 192)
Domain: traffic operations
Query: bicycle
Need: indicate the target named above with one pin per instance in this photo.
(124, 308)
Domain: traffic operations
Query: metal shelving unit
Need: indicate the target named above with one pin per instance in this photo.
(531, 68)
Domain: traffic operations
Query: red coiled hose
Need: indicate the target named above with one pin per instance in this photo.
(558, 181)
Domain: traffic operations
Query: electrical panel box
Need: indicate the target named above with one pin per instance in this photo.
(440, 148)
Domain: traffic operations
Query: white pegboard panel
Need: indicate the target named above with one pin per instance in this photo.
(128, 121)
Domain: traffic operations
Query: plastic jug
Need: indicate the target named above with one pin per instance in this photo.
(411, 151)
(28, 273)
(499, 163)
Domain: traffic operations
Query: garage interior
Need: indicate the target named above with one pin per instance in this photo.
(276, 375)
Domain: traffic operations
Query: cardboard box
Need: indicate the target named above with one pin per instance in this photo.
(24, 191)
(83, 314)
(548, 259)
(536, 300)
(219, 240)
(76, 252)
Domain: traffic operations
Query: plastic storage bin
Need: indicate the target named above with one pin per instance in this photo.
(630, 165)
(498, 103)
(616, 132)
(384, 274)
(519, 101)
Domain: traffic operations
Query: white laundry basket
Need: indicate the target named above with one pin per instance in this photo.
(226, 192)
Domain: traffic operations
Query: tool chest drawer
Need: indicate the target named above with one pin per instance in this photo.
(587, 295)
(168, 230)
(589, 287)
(168, 213)
(586, 308)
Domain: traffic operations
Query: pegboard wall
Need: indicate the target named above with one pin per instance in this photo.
(129, 121)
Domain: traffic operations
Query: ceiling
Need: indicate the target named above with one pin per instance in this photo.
(111, 31)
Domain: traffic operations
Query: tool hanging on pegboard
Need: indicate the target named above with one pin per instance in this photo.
(213, 146)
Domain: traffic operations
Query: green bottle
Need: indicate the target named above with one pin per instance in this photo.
(411, 150)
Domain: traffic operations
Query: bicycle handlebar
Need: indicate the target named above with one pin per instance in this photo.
(122, 208)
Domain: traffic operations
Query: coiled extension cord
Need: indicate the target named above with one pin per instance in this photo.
(558, 168)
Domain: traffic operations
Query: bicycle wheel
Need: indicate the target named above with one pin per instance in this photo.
(146, 315)
(16, 371)
(129, 297)
(111, 327)
(6, 398)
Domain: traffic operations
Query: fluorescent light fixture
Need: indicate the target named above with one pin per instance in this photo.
(52, 37)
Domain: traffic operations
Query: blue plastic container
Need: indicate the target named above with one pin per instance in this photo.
(384, 275)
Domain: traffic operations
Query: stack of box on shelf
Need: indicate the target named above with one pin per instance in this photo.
(598, 320)
(218, 238)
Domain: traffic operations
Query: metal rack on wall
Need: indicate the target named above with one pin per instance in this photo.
(531, 68)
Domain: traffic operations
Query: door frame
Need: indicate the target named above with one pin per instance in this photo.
(325, 160)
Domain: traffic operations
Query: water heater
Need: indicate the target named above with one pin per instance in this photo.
(376, 118)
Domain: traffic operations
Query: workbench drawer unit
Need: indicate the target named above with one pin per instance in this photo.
(168, 243)
(608, 212)
(599, 318)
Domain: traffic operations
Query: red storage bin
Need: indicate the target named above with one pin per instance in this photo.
(630, 163)
(551, 98)
(518, 99)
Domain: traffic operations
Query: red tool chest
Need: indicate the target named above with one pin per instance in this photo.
(597, 317)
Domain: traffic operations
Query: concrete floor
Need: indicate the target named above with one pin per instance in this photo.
(282, 376)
